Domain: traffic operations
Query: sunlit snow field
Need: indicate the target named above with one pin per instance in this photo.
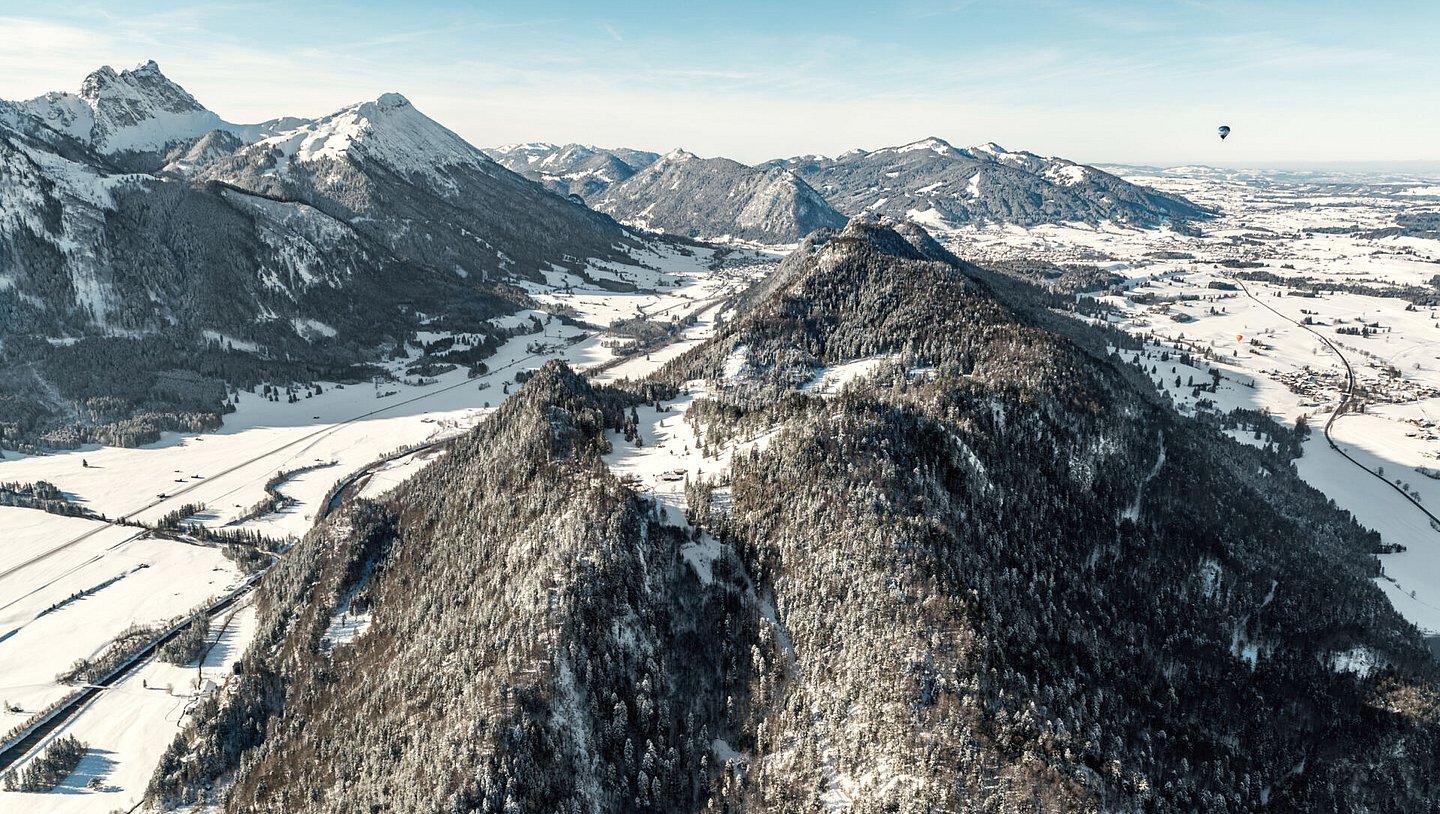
(1270, 362)
(48, 558)
(1264, 358)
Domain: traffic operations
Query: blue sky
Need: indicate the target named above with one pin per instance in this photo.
(1132, 82)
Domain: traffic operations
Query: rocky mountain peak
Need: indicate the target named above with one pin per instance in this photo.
(139, 91)
(132, 111)
(391, 101)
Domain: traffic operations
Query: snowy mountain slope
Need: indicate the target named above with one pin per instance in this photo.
(133, 111)
(714, 198)
(128, 255)
(986, 578)
(52, 219)
(137, 119)
(929, 181)
(572, 169)
(556, 158)
(678, 193)
(91, 248)
(403, 179)
(388, 130)
(186, 156)
(943, 186)
(318, 244)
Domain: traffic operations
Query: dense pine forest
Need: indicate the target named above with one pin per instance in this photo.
(997, 574)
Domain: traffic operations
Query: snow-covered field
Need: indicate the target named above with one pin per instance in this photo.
(129, 726)
(1331, 275)
(126, 577)
(122, 579)
(1261, 337)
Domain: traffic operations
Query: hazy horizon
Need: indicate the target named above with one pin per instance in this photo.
(1127, 83)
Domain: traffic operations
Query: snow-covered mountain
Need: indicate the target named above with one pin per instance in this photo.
(380, 171)
(940, 185)
(572, 169)
(980, 580)
(930, 181)
(326, 241)
(401, 178)
(388, 130)
(716, 198)
(678, 193)
(133, 115)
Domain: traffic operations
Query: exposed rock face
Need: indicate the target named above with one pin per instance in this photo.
(133, 111)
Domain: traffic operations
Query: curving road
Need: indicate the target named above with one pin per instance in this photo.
(1345, 401)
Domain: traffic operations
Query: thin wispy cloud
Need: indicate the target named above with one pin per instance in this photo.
(755, 80)
(1107, 17)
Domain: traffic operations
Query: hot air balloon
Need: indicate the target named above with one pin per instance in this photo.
(1224, 131)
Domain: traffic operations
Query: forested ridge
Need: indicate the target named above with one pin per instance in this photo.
(994, 575)
(537, 643)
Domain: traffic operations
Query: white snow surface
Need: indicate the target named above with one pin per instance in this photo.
(48, 559)
(1067, 174)
(973, 187)
(69, 586)
(346, 624)
(128, 726)
(388, 129)
(1358, 660)
(831, 380)
(1266, 360)
(735, 363)
(308, 328)
(935, 145)
(128, 111)
(930, 218)
(667, 458)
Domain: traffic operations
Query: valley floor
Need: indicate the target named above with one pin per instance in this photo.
(70, 586)
(1288, 343)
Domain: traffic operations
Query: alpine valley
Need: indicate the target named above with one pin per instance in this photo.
(349, 467)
